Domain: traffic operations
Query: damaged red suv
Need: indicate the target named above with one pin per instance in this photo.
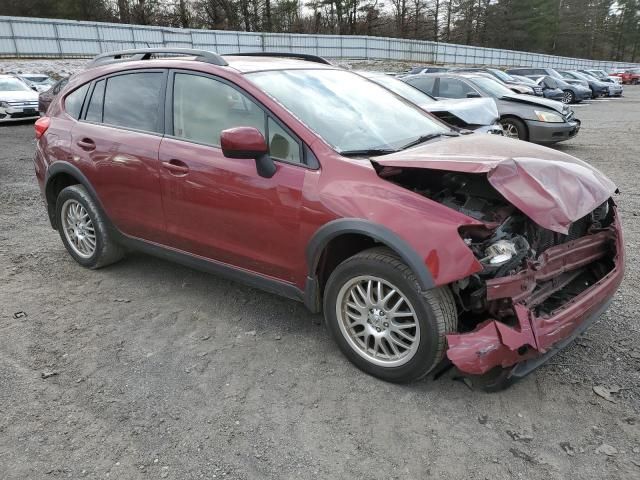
(422, 245)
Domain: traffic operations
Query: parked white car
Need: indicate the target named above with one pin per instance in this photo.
(38, 81)
(17, 100)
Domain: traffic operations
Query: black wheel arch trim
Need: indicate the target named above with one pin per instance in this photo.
(377, 232)
(57, 168)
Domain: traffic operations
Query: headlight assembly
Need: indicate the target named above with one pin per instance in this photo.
(549, 117)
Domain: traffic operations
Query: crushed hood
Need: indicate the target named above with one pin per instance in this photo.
(536, 101)
(474, 111)
(552, 188)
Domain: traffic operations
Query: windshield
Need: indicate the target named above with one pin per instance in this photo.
(505, 77)
(37, 78)
(526, 80)
(491, 87)
(12, 85)
(401, 88)
(348, 111)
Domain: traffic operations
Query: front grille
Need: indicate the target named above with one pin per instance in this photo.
(24, 104)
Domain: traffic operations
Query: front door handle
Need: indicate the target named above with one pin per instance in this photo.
(86, 144)
(176, 167)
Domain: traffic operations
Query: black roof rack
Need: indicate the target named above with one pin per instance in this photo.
(148, 53)
(299, 56)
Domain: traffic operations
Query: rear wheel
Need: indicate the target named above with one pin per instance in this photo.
(514, 128)
(83, 230)
(382, 321)
(568, 96)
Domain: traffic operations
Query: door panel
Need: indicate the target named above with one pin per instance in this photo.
(221, 209)
(122, 166)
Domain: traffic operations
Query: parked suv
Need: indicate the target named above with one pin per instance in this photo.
(313, 182)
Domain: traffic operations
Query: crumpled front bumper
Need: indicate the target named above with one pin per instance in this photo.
(494, 344)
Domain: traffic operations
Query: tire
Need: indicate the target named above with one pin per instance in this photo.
(568, 97)
(83, 229)
(514, 128)
(432, 312)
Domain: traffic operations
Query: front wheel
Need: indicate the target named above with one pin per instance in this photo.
(382, 321)
(568, 97)
(514, 128)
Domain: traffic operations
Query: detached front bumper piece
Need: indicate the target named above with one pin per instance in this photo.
(533, 339)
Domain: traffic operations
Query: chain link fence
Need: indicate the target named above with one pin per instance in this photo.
(38, 37)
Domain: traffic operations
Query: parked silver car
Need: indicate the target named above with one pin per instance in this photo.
(526, 117)
(477, 114)
(17, 100)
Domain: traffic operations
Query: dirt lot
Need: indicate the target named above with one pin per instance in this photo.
(159, 371)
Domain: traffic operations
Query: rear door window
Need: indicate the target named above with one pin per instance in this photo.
(73, 102)
(133, 100)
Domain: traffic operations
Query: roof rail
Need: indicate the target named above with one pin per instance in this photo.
(299, 56)
(148, 53)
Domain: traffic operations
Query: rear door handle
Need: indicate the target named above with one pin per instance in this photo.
(176, 167)
(86, 144)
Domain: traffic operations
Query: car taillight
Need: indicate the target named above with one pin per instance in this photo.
(41, 126)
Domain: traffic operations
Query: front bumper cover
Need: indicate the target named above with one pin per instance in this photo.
(535, 339)
(546, 132)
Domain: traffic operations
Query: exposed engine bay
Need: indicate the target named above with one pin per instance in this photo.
(511, 248)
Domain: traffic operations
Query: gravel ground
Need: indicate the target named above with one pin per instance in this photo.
(149, 370)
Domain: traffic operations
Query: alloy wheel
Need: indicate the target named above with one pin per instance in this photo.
(378, 321)
(510, 130)
(78, 228)
(567, 97)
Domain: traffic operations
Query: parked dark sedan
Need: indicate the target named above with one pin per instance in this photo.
(525, 117)
(559, 90)
(615, 88)
(512, 83)
(597, 87)
(46, 97)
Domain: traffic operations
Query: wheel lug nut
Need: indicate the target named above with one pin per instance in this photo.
(385, 324)
(377, 329)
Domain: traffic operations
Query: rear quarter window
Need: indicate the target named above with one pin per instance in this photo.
(73, 102)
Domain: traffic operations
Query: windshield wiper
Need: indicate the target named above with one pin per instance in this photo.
(426, 138)
(367, 152)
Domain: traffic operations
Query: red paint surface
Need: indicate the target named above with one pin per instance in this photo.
(243, 141)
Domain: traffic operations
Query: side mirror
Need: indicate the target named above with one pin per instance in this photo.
(248, 142)
(473, 95)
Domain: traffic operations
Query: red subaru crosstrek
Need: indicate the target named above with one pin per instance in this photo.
(418, 243)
